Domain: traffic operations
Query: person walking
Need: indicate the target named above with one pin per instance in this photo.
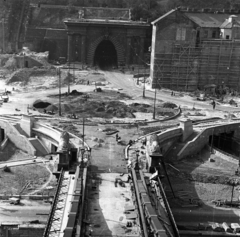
(214, 104)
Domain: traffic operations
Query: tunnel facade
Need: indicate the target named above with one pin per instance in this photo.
(107, 43)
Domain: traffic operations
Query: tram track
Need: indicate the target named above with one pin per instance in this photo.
(155, 219)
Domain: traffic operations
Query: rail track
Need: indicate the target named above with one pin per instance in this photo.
(155, 214)
(66, 214)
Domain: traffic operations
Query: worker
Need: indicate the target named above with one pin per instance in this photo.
(214, 104)
(117, 137)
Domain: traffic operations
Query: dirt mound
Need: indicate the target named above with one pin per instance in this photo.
(169, 105)
(21, 75)
(75, 92)
(64, 107)
(39, 104)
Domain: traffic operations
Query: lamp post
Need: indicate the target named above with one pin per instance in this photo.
(137, 155)
(68, 77)
(144, 86)
(59, 81)
(3, 40)
(82, 153)
(154, 105)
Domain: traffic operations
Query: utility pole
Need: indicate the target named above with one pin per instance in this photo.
(83, 133)
(154, 105)
(59, 80)
(144, 81)
(68, 77)
(3, 39)
(144, 86)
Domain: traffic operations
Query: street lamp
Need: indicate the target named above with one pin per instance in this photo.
(82, 153)
(137, 155)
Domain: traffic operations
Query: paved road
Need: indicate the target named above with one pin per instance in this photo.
(126, 82)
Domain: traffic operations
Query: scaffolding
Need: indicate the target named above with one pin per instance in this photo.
(187, 68)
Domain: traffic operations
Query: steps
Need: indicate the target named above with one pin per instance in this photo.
(41, 150)
(20, 130)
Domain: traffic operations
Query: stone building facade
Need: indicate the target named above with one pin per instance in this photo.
(190, 51)
(84, 34)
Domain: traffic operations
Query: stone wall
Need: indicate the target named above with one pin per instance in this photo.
(165, 140)
(195, 145)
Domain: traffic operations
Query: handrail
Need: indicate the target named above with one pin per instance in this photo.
(145, 232)
(171, 218)
(48, 226)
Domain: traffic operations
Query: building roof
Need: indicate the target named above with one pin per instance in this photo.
(209, 20)
(205, 19)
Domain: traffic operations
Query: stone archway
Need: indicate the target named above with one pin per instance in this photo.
(93, 47)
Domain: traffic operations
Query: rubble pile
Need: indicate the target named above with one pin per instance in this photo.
(21, 75)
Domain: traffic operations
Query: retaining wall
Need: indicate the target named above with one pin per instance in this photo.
(165, 140)
(15, 137)
(202, 138)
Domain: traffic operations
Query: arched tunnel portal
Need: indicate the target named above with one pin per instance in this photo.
(105, 55)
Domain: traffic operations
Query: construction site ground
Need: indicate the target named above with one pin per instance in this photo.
(199, 178)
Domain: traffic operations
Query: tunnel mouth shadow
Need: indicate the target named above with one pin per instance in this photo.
(105, 55)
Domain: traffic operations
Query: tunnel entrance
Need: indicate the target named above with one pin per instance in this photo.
(226, 142)
(105, 55)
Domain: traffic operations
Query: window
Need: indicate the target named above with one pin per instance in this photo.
(227, 37)
(181, 34)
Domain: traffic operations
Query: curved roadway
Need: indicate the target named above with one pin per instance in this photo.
(126, 82)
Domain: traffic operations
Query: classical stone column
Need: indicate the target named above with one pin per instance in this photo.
(128, 50)
(83, 49)
(70, 42)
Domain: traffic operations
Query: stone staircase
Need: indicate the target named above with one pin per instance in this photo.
(20, 130)
(41, 150)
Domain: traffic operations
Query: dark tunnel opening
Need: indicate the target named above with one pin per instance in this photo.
(105, 55)
(226, 142)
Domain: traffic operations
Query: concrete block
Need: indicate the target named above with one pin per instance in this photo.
(187, 128)
(26, 124)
